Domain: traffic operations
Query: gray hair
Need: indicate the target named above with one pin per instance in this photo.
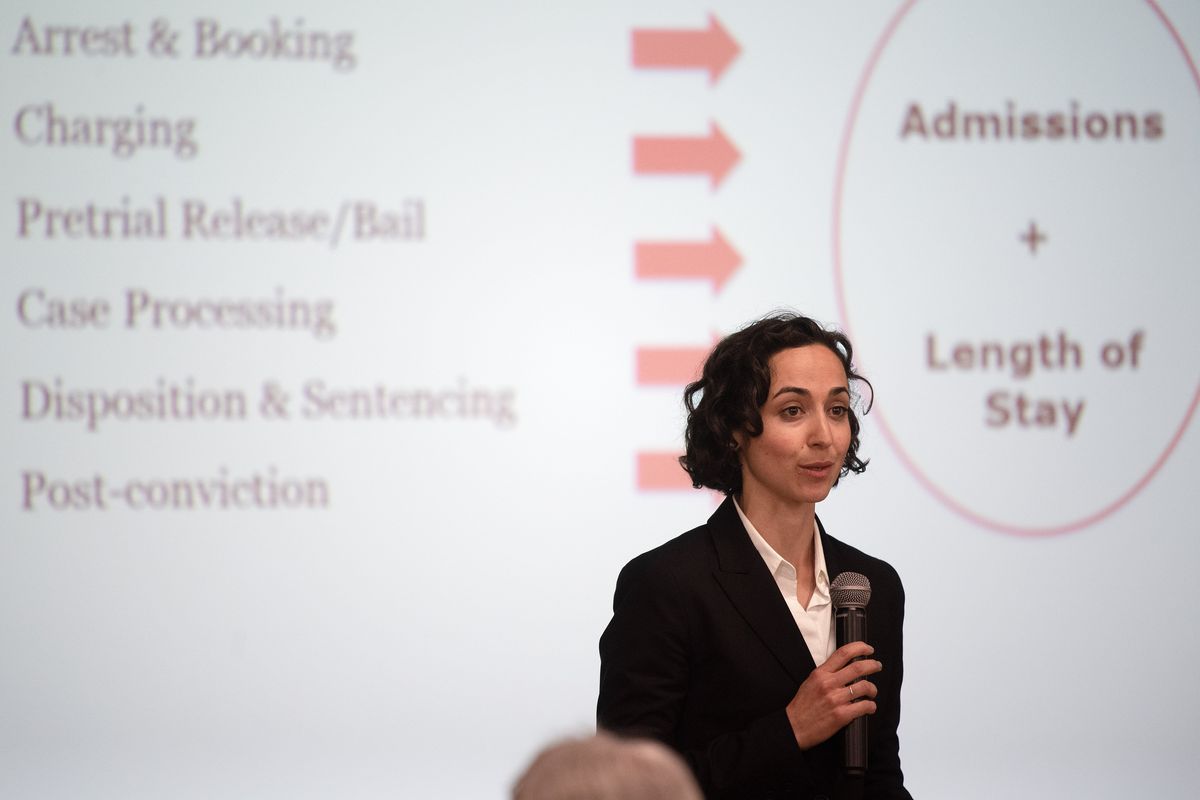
(605, 767)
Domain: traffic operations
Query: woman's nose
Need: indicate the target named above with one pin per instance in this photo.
(819, 433)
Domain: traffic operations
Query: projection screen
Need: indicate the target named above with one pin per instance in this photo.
(345, 346)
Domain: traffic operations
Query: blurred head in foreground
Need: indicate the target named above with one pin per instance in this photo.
(605, 767)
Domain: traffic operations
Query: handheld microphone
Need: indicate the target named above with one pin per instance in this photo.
(850, 593)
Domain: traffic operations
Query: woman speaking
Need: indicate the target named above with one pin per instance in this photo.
(722, 640)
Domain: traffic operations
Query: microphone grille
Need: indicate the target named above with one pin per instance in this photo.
(850, 590)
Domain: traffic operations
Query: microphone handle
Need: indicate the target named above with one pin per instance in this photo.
(852, 627)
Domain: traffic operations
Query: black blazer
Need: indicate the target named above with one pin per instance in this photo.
(703, 654)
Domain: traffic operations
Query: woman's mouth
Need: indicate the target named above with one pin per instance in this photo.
(817, 469)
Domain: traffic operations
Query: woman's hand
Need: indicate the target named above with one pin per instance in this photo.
(833, 695)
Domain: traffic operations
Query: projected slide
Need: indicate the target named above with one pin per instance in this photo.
(345, 347)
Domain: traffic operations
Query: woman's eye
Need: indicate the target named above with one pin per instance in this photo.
(792, 411)
(839, 411)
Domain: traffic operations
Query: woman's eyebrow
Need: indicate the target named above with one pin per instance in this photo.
(806, 393)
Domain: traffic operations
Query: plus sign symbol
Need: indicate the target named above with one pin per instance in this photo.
(1033, 237)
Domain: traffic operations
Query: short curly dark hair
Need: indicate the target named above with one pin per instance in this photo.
(733, 387)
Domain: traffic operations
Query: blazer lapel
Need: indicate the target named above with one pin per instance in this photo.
(752, 590)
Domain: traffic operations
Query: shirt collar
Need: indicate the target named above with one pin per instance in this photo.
(774, 561)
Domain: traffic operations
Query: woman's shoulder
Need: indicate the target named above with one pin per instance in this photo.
(883, 576)
(672, 559)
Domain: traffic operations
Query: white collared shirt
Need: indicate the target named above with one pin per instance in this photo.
(816, 621)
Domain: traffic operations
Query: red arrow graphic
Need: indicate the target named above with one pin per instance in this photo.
(671, 366)
(661, 471)
(714, 260)
(713, 155)
(712, 49)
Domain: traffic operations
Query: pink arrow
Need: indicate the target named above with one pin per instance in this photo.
(714, 260)
(658, 471)
(671, 366)
(713, 155)
(712, 49)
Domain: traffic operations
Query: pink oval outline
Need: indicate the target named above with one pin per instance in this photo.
(839, 289)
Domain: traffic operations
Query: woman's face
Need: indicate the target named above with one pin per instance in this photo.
(806, 431)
